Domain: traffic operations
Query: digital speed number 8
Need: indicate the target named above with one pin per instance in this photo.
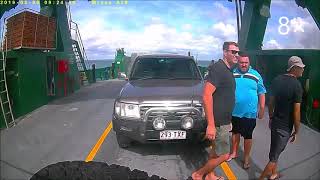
(283, 29)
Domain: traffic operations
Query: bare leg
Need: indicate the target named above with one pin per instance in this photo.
(209, 167)
(268, 170)
(235, 145)
(247, 149)
(274, 172)
(212, 153)
(212, 176)
(196, 176)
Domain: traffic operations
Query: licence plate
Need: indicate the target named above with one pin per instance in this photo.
(172, 134)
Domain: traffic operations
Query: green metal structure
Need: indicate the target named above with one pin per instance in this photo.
(31, 75)
(119, 62)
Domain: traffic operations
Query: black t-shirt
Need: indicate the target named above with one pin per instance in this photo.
(224, 97)
(287, 90)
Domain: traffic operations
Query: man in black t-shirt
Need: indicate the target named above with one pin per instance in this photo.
(284, 113)
(218, 100)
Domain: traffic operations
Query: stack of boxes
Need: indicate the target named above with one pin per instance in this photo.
(30, 30)
(51, 33)
(29, 27)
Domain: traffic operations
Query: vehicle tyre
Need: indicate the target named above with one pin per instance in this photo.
(123, 141)
(81, 170)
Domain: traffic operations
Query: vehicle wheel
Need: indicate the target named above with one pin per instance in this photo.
(80, 170)
(123, 141)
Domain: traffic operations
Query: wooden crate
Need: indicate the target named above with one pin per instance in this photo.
(29, 24)
(28, 14)
(42, 30)
(52, 23)
(31, 31)
(51, 44)
(15, 44)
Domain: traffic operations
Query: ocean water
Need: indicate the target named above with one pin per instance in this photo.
(107, 63)
(100, 63)
(204, 63)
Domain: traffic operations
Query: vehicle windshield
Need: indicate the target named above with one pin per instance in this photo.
(164, 68)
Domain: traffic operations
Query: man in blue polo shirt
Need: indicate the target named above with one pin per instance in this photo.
(249, 103)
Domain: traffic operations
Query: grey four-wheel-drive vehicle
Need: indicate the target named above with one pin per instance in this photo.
(161, 102)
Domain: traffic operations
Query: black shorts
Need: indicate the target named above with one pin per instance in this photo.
(279, 140)
(243, 126)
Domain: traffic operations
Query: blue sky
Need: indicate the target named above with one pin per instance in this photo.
(179, 26)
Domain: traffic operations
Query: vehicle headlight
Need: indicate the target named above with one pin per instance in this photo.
(127, 110)
(117, 108)
(187, 122)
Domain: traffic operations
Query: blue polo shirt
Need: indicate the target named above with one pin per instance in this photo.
(248, 87)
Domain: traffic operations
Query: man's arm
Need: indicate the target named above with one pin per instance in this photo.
(262, 101)
(209, 89)
(271, 109)
(296, 116)
(296, 111)
(262, 96)
(296, 119)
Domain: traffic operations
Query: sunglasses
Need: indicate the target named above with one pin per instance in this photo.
(234, 51)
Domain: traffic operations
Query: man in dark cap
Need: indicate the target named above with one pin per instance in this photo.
(284, 113)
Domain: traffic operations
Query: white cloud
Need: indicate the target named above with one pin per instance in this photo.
(305, 33)
(222, 10)
(223, 13)
(226, 30)
(155, 20)
(272, 44)
(153, 38)
(153, 34)
(279, 2)
(187, 27)
(298, 24)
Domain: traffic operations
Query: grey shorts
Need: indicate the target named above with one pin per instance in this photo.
(221, 145)
(279, 140)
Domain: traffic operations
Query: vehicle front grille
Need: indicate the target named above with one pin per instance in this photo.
(172, 115)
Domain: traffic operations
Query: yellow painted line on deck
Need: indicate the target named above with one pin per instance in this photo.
(96, 147)
(227, 170)
(225, 167)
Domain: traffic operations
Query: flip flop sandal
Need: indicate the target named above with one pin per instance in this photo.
(246, 165)
(218, 177)
(231, 158)
(277, 177)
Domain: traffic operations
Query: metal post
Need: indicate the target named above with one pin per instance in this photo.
(240, 13)
(237, 13)
(93, 73)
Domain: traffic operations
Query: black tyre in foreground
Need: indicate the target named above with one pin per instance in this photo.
(80, 170)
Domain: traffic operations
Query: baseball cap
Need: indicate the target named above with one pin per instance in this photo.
(295, 61)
